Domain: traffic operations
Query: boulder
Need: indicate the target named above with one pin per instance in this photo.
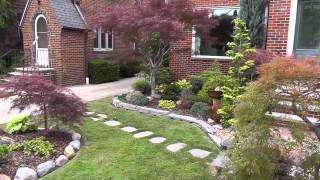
(45, 168)
(4, 177)
(6, 140)
(61, 160)
(75, 144)
(76, 136)
(220, 161)
(69, 152)
(25, 173)
(227, 143)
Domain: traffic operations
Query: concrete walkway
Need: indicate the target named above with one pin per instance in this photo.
(85, 92)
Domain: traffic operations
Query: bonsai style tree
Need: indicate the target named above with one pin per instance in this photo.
(296, 85)
(7, 15)
(52, 101)
(151, 25)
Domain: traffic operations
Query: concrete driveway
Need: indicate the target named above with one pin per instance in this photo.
(85, 92)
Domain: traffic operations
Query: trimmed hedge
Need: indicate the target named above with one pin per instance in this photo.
(101, 70)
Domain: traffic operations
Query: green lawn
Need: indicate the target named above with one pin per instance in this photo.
(109, 153)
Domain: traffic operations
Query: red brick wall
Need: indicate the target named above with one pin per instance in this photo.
(278, 26)
(73, 57)
(181, 63)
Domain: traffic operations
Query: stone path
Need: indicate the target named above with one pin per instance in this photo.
(143, 134)
(218, 162)
(157, 140)
(129, 129)
(176, 147)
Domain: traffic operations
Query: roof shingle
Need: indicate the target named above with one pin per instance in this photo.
(67, 14)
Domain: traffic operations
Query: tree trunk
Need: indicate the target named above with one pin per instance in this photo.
(316, 171)
(153, 72)
(45, 116)
(312, 126)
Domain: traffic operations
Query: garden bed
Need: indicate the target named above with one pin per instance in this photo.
(16, 159)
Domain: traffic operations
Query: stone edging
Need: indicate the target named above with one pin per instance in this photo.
(26, 173)
(210, 130)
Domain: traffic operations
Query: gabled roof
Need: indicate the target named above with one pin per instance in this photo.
(68, 14)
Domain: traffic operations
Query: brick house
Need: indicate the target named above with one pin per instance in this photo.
(57, 38)
(293, 29)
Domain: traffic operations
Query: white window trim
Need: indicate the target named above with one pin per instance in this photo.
(99, 30)
(193, 45)
(292, 27)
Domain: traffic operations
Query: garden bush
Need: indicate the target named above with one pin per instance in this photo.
(101, 71)
(142, 86)
(167, 104)
(130, 69)
(183, 84)
(131, 95)
(140, 100)
(188, 95)
(200, 109)
(37, 146)
(196, 83)
(20, 124)
(171, 92)
(163, 75)
(3, 150)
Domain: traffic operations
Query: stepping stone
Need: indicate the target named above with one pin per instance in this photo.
(102, 116)
(199, 153)
(220, 161)
(129, 129)
(89, 113)
(157, 140)
(176, 147)
(143, 134)
(96, 119)
(112, 123)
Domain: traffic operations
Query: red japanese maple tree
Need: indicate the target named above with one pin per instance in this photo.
(52, 101)
(151, 25)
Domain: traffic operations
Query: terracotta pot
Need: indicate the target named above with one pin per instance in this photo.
(215, 94)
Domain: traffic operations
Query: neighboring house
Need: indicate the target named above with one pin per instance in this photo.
(57, 38)
(59, 42)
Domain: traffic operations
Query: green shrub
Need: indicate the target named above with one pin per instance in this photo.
(183, 84)
(200, 109)
(131, 95)
(171, 92)
(163, 75)
(123, 97)
(142, 86)
(140, 100)
(188, 95)
(37, 146)
(20, 124)
(3, 150)
(196, 83)
(101, 71)
(130, 69)
(167, 104)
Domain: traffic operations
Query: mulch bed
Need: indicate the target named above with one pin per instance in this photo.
(17, 159)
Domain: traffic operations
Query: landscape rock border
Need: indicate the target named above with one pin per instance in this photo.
(210, 130)
(26, 173)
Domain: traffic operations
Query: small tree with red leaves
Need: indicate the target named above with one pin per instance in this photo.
(150, 25)
(52, 101)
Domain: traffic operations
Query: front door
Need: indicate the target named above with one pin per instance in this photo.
(41, 35)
